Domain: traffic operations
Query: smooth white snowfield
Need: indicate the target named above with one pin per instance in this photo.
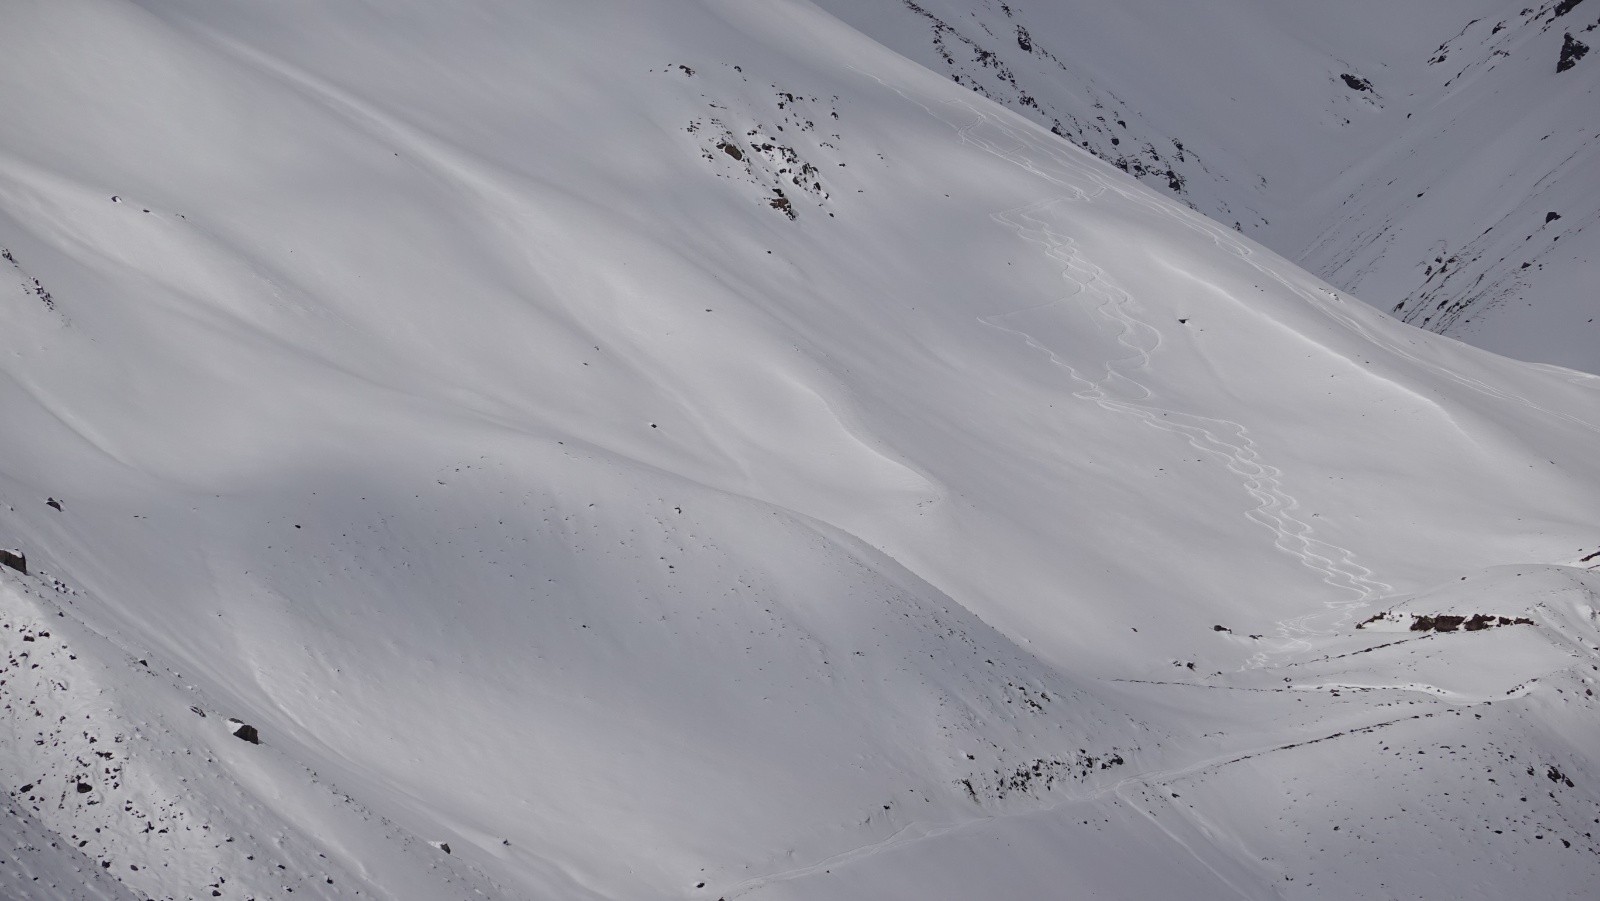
(444, 390)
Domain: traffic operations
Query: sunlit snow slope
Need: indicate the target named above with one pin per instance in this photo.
(686, 450)
(1435, 157)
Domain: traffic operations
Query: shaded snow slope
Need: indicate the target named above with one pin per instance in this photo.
(1412, 154)
(699, 453)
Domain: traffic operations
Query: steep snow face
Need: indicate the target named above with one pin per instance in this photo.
(685, 449)
(1479, 219)
(1436, 159)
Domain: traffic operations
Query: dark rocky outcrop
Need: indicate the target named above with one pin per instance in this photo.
(17, 561)
(781, 204)
(1572, 50)
(1477, 622)
(244, 732)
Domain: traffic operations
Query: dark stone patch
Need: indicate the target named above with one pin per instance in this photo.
(1572, 50)
(782, 205)
(17, 561)
(1357, 83)
(1446, 622)
(1041, 774)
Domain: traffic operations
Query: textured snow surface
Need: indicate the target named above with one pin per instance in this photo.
(687, 450)
(1412, 153)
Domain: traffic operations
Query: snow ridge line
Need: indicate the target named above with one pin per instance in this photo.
(1331, 305)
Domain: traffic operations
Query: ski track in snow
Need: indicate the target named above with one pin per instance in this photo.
(1222, 438)
(1120, 791)
(1118, 391)
(1276, 511)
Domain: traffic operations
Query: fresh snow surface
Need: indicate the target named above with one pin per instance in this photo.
(684, 449)
(1411, 153)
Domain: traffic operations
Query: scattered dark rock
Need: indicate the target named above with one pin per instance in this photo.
(1551, 216)
(84, 788)
(1024, 40)
(52, 502)
(17, 561)
(1357, 83)
(442, 846)
(1564, 7)
(1222, 629)
(1040, 775)
(731, 150)
(1572, 50)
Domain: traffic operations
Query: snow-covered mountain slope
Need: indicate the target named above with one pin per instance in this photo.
(1412, 153)
(684, 449)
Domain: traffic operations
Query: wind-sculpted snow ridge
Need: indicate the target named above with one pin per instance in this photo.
(1055, 164)
(605, 451)
(1351, 140)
